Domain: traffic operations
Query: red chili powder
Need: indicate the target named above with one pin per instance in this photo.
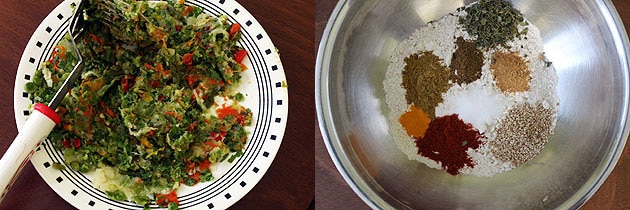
(446, 140)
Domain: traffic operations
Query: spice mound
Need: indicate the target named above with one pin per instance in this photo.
(472, 93)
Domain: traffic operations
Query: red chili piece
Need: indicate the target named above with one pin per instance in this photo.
(76, 143)
(234, 28)
(225, 111)
(127, 82)
(446, 141)
(187, 59)
(240, 55)
(66, 143)
(218, 136)
(165, 199)
(155, 83)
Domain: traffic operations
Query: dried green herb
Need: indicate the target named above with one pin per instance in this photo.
(548, 64)
(493, 22)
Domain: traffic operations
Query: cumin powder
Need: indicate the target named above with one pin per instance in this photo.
(425, 79)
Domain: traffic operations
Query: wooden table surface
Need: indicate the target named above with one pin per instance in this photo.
(332, 192)
(289, 182)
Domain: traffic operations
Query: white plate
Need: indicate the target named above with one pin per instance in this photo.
(266, 95)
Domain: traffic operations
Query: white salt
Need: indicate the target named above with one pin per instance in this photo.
(476, 103)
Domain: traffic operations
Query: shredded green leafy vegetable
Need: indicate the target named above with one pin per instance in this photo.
(145, 110)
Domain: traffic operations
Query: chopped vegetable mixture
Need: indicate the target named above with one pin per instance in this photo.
(156, 105)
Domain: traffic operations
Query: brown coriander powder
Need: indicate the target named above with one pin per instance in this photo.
(510, 72)
(523, 133)
(466, 63)
(425, 78)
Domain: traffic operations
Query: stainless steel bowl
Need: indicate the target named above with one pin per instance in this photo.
(588, 46)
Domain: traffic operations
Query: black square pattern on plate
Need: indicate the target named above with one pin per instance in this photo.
(60, 16)
(278, 102)
(46, 164)
(210, 206)
(243, 184)
(74, 192)
(266, 154)
(273, 137)
(39, 44)
(26, 76)
(221, 1)
(59, 179)
(26, 113)
(236, 11)
(31, 60)
(91, 203)
(278, 120)
(268, 51)
(256, 170)
(278, 84)
(248, 23)
(25, 94)
(48, 29)
(274, 67)
(228, 196)
(259, 36)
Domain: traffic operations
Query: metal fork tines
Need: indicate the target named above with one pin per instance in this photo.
(76, 29)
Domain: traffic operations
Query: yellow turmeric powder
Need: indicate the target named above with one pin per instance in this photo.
(415, 121)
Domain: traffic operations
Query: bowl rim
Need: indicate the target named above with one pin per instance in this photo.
(369, 195)
(333, 147)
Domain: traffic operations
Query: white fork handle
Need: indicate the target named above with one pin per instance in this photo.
(37, 127)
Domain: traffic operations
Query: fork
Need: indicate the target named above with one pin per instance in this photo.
(44, 118)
